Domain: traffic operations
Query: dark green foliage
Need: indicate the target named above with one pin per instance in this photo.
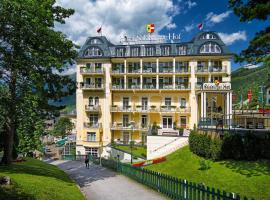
(259, 47)
(230, 146)
(63, 127)
(204, 164)
(32, 53)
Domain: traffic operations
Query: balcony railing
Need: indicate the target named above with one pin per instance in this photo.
(92, 108)
(145, 109)
(182, 86)
(117, 87)
(217, 69)
(166, 86)
(137, 86)
(91, 70)
(182, 70)
(199, 86)
(118, 71)
(149, 86)
(202, 70)
(92, 125)
(122, 109)
(149, 70)
(165, 70)
(167, 108)
(93, 86)
(121, 126)
(183, 109)
(134, 71)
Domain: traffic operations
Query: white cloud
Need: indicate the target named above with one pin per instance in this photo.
(117, 17)
(217, 18)
(191, 4)
(189, 28)
(229, 39)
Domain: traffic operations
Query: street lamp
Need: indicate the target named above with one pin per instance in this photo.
(132, 123)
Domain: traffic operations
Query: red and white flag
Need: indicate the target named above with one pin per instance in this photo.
(200, 26)
(99, 30)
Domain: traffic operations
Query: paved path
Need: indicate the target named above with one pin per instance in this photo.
(98, 183)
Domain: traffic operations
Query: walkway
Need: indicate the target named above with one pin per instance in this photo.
(98, 183)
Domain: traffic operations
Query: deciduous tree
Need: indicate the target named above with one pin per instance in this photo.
(31, 52)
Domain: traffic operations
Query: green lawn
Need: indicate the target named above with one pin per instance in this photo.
(136, 150)
(246, 178)
(36, 180)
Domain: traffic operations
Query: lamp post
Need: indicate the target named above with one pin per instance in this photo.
(131, 141)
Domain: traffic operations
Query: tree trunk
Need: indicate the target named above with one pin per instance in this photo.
(8, 144)
(11, 121)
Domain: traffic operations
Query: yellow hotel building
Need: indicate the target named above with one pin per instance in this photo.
(124, 89)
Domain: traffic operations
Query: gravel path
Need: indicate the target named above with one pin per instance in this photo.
(99, 183)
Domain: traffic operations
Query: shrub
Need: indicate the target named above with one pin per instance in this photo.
(215, 149)
(204, 164)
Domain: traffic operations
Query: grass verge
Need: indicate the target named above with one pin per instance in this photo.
(251, 179)
(36, 180)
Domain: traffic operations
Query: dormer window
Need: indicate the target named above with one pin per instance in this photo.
(93, 51)
(149, 51)
(208, 36)
(95, 41)
(165, 50)
(182, 50)
(210, 48)
(120, 52)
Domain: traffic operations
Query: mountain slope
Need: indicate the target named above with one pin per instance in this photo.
(244, 79)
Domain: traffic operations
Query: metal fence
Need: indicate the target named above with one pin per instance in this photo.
(170, 186)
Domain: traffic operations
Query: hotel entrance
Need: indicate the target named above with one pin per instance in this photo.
(215, 105)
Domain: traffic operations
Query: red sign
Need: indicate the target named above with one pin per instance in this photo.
(249, 96)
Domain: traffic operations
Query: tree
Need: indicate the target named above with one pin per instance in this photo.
(63, 127)
(32, 55)
(259, 47)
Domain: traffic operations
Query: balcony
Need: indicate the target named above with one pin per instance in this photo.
(121, 126)
(166, 70)
(182, 70)
(117, 87)
(149, 70)
(182, 86)
(146, 109)
(84, 70)
(167, 108)
(92, 108)
(117, 71)
(217, 69)
(134, 86)
(97, 86)
(149, 86)
(92, 125)
(183, 109)
(202, 70)
(121, 109)
(134, 71)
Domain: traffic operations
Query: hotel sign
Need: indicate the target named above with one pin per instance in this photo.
(215, 86)
(149, 38)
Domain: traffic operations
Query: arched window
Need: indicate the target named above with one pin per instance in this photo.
(210, 48)
(91, 101)
(93, 51)
(96, 101)
(208, 36)
(95, 41)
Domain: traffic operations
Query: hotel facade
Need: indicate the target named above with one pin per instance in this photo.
(123, 90)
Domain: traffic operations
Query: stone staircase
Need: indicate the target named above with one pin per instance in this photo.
(158, 146)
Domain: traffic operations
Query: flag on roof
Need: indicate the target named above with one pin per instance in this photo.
(99, 29)
(200, 26)
(150, 28)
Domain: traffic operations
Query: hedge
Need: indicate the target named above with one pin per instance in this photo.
(230, 146)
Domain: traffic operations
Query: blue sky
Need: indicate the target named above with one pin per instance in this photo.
(129, 17)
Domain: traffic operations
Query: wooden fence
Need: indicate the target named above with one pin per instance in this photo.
(170, 186)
